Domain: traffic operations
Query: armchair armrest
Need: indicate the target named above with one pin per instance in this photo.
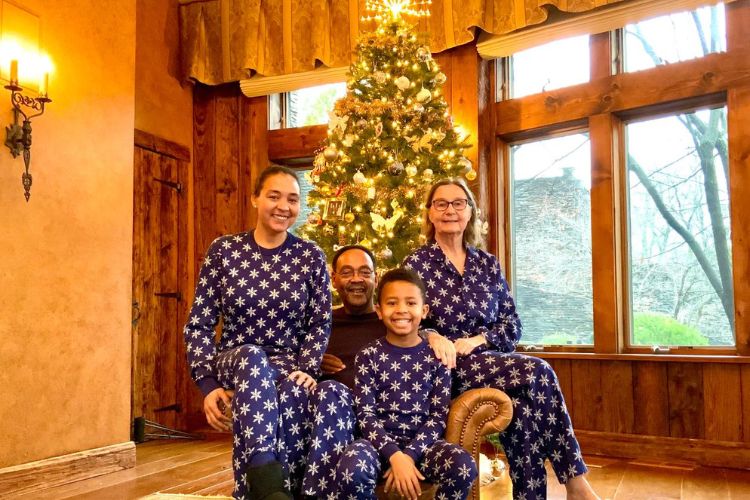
(475, 414)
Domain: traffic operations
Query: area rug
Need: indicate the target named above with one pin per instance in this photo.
(176, 496)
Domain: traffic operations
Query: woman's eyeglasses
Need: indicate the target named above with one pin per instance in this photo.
(442, 205)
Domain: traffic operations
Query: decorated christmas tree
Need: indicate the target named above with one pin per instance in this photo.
(388, 140)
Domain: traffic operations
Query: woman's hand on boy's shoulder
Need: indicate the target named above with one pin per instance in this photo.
(443, 348)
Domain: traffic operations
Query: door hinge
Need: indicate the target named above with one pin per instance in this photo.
(174, 185)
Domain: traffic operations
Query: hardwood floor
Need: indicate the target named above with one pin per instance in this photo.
(203, 468)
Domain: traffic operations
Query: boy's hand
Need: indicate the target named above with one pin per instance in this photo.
(403, 476)
(331, 364)
(303, 379)
(214, 405)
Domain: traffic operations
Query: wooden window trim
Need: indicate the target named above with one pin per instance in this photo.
(602, 105)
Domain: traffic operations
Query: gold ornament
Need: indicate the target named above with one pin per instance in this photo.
(471, 174)
(440, 78)
(371, 193)
(402, 83)
(379, 77)
(359, 178)
(330, 153)
(427, 174)
(349, 217)
(411, 170)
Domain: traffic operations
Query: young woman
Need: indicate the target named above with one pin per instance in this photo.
(271, 290)
(471, 305)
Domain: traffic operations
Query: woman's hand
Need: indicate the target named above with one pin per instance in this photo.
(443, 348)
(331, 364)
(403, 476)
(214, 405)
(303, 379)
(467, 345)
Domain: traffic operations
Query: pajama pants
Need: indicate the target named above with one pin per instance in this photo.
(332, 428)
(266, 414)
(540, 429)
(447, 465)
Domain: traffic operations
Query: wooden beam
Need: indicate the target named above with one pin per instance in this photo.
(293, 143)
(35, 476)
(707, 76)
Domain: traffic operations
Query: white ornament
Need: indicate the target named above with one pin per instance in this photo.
(423, 54)
(424, 96)
(359, 178)
(465, 165)
(402, 83)
(427, 174)
(411, 170)
(371, 193)
(440, 78)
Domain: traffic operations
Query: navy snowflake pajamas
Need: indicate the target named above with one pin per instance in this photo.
(276, 311)
(402, 397)
(479, 302)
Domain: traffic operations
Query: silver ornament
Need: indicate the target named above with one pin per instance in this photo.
(396, 168)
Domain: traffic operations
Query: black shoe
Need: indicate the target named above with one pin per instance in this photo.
(266, 482)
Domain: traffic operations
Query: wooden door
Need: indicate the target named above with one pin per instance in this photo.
(159, 272)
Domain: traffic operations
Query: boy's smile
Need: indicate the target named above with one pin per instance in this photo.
(401, 308)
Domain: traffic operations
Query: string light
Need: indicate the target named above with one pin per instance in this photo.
(395, 9)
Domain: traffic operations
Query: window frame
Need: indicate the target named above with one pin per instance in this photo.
(602, 107)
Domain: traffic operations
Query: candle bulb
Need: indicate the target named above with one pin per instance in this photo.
(44, 85)
(14, 72)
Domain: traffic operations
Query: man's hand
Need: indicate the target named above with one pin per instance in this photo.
(467, 345)
(213, 406)
(331, 364)
(303, 379)
(403, 476)
(443, 348)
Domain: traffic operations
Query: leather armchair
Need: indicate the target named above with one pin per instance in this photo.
(473, 415)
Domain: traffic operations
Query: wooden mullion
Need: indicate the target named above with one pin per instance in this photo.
(738, 20)
(738, 125)
(604, 131)
(600, 47)
(709, 76)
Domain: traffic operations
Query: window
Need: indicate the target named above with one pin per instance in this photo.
(676, 37)
(308, 106)
(623, 231)
(549, 66)
(551, 228)
(305, 186)
(680, 253)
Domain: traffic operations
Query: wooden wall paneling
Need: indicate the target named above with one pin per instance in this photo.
(700, 78)
(604, 132)
(587, 404)
(745, 395)
(722, 402)
(564, 377)
(738, 124)
(227, 142)
(253, 151)
(464, 96)
(685, 382)
(204, 172)
(617, 397)
(186, 389)
(650, 399)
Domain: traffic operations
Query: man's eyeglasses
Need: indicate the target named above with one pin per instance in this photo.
(442, 205)
(349, 273)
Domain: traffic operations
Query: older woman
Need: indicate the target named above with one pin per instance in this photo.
(470, 305)
(271, 290)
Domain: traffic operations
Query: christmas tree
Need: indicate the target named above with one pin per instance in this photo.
(388, 140)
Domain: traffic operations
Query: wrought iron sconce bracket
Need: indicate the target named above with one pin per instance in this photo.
(18, 136)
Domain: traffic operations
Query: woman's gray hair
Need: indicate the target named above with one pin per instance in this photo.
(473, 231)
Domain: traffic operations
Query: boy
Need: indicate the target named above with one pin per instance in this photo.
(402, 394)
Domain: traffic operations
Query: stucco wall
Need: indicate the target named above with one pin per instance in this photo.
(65, 257)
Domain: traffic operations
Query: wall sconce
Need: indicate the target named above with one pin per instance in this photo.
(18, 137)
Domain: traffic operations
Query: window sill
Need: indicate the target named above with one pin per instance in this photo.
(668, 358)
